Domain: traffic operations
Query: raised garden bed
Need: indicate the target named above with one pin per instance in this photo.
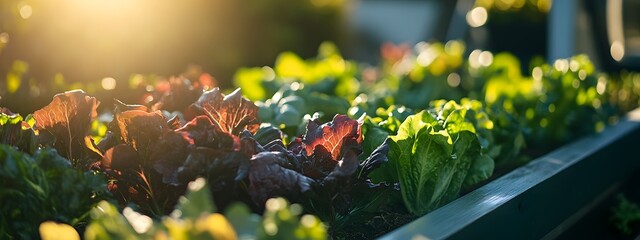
(541, 199)
(364, 149)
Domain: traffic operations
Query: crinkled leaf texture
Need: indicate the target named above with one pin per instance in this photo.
(141, 130)
(270, 176)
(323, 147)
(470, 116)
(333, 136)
(431, 164)
(141, 155)
(231, 113)
(160, 155)
(65, 124)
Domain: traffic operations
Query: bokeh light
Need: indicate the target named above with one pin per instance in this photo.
(25, 10)
(4, 37)
(453, 80)
(477, 17)
(617, 50)
(108, 83)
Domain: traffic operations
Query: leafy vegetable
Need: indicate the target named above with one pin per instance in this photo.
(353, 174)
(44, 187)
(278, 223)
(150, 162)
(560, 102)
(432, 160)
(65, 123)
(194, 218)
(231, 113)
(289, 109)
(328, 74)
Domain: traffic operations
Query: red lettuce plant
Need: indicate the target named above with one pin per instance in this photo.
(64, 125)
(149, 158)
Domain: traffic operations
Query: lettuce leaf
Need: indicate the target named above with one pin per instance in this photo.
(231, 113)
(431, 161)
(65, 124)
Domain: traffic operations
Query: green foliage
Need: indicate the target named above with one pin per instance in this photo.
(194, 218)
(15, 75)
(348, 172)
(558, 103)
(301, 88)
(197, 201)
(243, 220)
(290, 109)
(18, 132)
(281, 221)
(328, 73)
(432, 159)
(44, 187)
(470, 116)
(624, 214)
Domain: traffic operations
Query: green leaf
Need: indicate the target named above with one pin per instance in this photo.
(247, 79)
(374, 136)
(290, 65)
(431, 164)
(196, 202)
(466, 150)
(244, 222)
(282, 221)
(419, 157)
(481, 169)
(45, 187)
(108, 223)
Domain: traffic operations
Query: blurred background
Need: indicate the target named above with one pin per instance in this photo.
(109, 46)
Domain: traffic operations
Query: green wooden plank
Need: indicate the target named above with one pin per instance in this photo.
(534, 199)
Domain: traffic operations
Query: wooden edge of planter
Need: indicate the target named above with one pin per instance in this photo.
(535, 200)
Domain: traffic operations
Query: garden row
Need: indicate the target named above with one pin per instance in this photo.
(358, 149)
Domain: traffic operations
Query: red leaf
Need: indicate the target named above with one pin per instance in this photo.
(6, 111)
(121, 158)
(120, 107)
(334, 136)
(206, 134)
(174, 123)
(269, 177)
(141, 130)
(232, 113)
(174, 94)
(68, 119)
(170, 153)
